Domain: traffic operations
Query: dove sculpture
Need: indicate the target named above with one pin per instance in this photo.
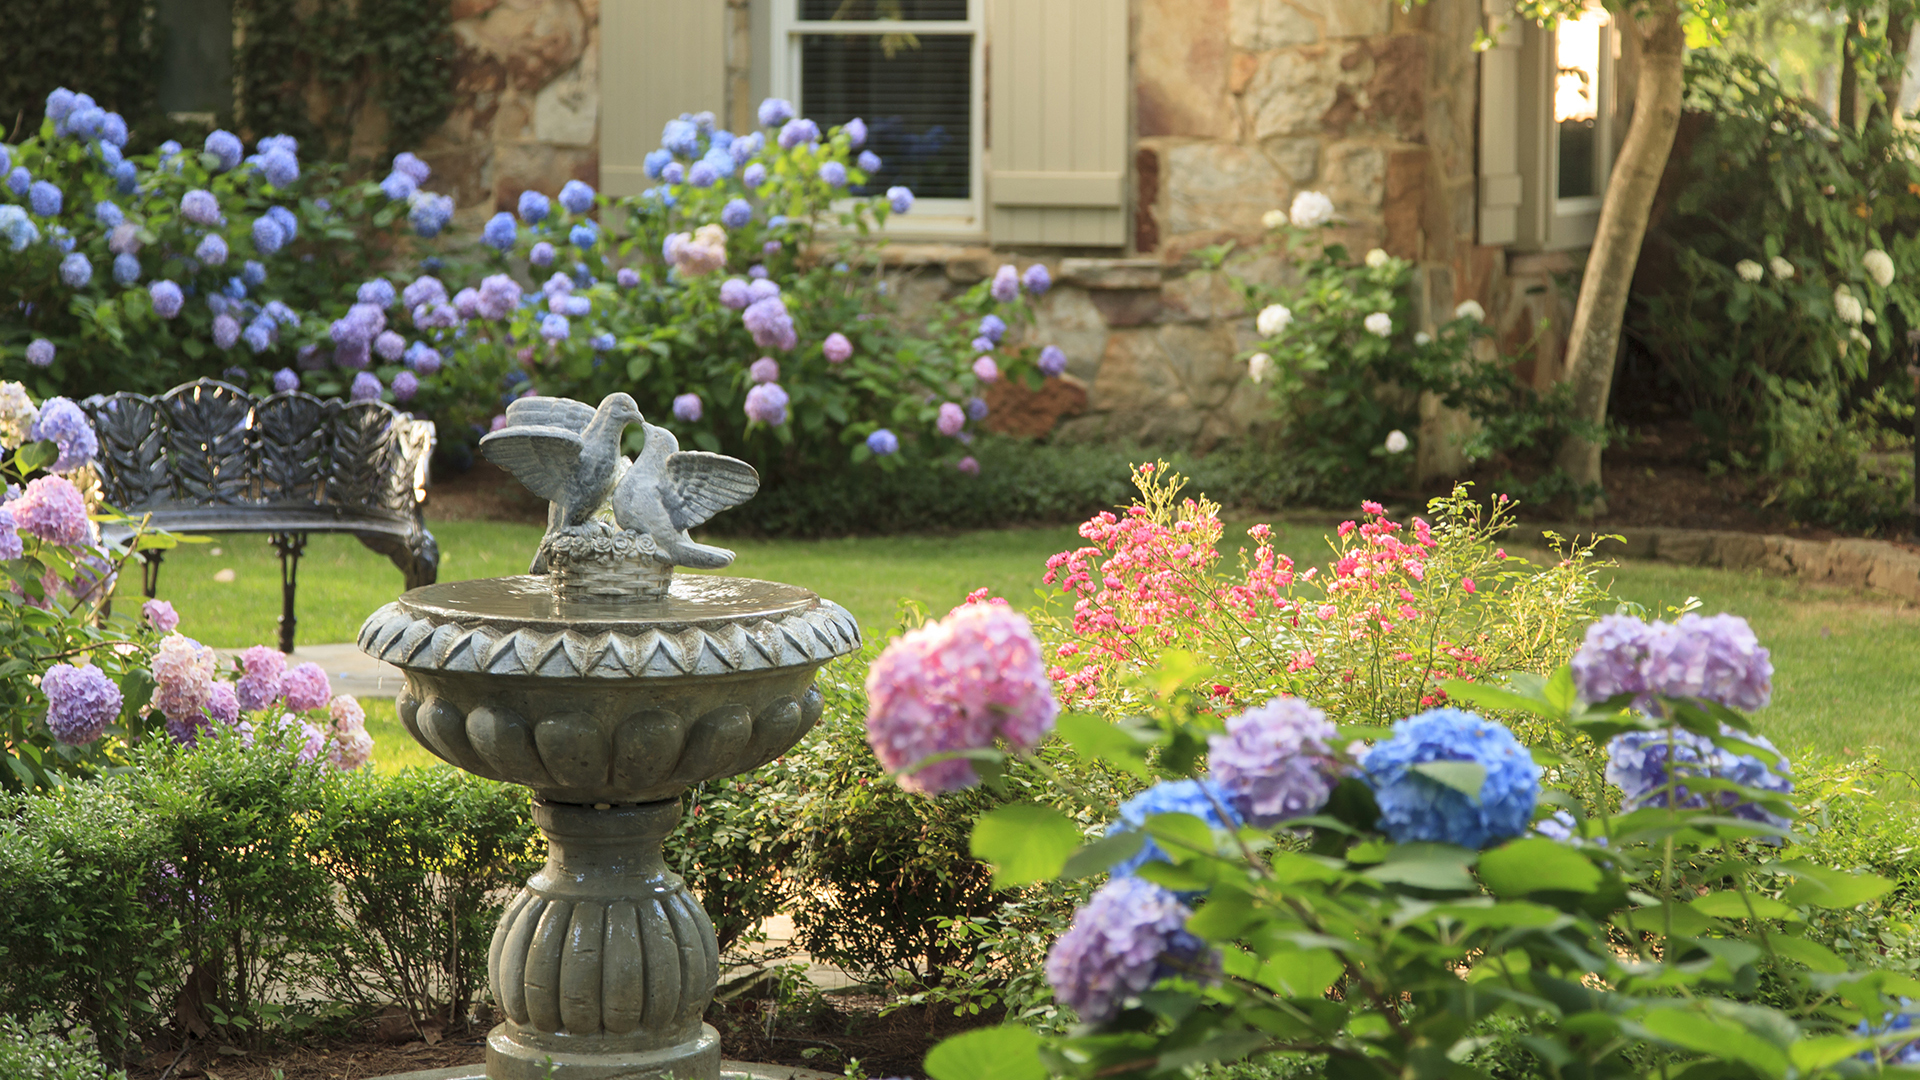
(667, 491)
(566, 452)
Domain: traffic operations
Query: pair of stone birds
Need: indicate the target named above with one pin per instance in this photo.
(568, 453)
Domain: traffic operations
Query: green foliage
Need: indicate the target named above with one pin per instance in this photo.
(35, 1050)
(1780, 374)
(105, 47)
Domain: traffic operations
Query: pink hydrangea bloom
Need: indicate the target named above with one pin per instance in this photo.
(52, 509)
(346, 713)
(837, 347)
(223, 705)
(953, 685)
(348, 750)
(952, 419)
(764, 370)
(265, 669)
(986, 370)
(160, 615)
(183, 674)
(306, 688)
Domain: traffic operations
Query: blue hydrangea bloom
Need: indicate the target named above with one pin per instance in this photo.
(1643, 765)
(377, 291)
(702, 175)
(1130, 934)
(575, 306)
(40, 352)
(258, 336)
(540, 254)
(719, 161)
(253, 273)
(754, 175)
(423, 358)
(201, 207)
(856, 130)
(59, 103)
(59, 237)
(289, 224)
(86, 122)
(76, 271)
(267, 235)
(534, 207)
(16, 228)
(167, 298)
(126, 178)
(234, 289)
(430, 213)
(834, 173)
(1906, 1053)
(110, 156)
(62, 423)
(868, 161)
(993, 328)
(584, 235)
(113, 130)
(225, 146)
(775, 111)
(280, 167)
(108, 214)
(795, 132)
(673, 174)
(657, 160)
(746, 146)
(279, 312)
(976, 409)
(500, 231)
(681, 137)
(268, 144)
(126, 269)
(883, 442)
(1052, 362)
(603, 342)
(212, 250)
(900, 199)
(19, 181)
(6, 158)
(398, 186)
(1416, 807)
(736, 213)
(555, 328)
(576, 197)
(408, 162)
(45, 199)
(1203, 799)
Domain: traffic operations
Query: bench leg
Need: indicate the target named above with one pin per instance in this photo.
(289, 545)
(150, 572)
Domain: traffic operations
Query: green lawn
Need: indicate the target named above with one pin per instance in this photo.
(1846, 674)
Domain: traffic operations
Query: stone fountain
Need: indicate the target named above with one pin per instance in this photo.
(609, 687)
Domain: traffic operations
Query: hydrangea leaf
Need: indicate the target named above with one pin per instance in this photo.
(1536, 864)
(1103, 853)
(1696, 1029)
(1103, 740)
(1559, 691)
(1307, 973)
(1426, 866)
(1821, 1051)
(1221, 1046)
(1181, 836)
(1226, 915)
(1024, 842)
(1731, 905)
(1465, 777)
(996, 1053)
(1811, 953)
(1821, 887)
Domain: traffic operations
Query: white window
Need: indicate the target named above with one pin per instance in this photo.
(1547, 115)
(914, 71)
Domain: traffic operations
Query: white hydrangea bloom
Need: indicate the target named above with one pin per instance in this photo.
(1273, 219)
(1879, 266)
(1272, 319)
(1259, 366)
(1870, 316)
(17, 414)
(1470, 309)
(1311, 210)
(1423, 338)
(1859, 338)
(1397, 442)
(1781, 268)
(1377, 258)
(1379, 324)
(1847, 306)
(1749, 270)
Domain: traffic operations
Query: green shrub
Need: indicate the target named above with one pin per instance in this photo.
(36, 1051)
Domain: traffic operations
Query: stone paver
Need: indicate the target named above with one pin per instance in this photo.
(349, 671)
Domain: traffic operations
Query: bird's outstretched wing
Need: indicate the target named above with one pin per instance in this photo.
(557, 412)
(539, 456)
(699, 485)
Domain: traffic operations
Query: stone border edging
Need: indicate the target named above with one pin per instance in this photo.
(1847, 563)
(729, 1070)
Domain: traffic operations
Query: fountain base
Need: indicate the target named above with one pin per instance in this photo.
(697, 1060)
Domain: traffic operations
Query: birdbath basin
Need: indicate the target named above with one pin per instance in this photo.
(608, 703)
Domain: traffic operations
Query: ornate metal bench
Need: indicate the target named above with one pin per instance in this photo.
(208, 457)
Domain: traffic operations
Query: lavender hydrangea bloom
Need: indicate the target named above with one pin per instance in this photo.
(541, 254)
(425, 289)
(366, 387)
(226, 331)
(736, 213)
(836, 348)
(1416, 807)
(260, 686)
(534, 207)
(62, 423)
(883, 442)
(976, 409)
(702, 175)
(1611, 660)
(126, 269)
(795, 132)
(951, 419)
(655, 161)
(499, 295)
(834, 173)
(390, 346)
(576, 197)
(754, 175)
(688, 407)
(770, 324)
(500, 231)
(378, 291)
(281, 168)
(409, 164)
(775, 111)
(160, 615)
(52, 509)
(734, 294)
(429, 213)
(285, 380)
(225, 147)
(869, 162)
(423, 358)
(993, 328)
(167, 298)
(76, 270)
(673, 174)
(19, 180)
(40, 352)
(744, 147)
(1037, 280)
(45, 199)
(900, 199)
(1005, 290)
(985, 369)
(856, 130)
(405, 385)
(1715, 658)
(1052, 362)
(555, 327)
(767, 404)
(627, 277)
(1204, 799)
(1129, 935)
(398, 186)
(212, 250)
(1651, 769)
(1274, 761)
(81, 702)
(11, 546)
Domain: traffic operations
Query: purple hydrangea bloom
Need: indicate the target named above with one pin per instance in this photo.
(775, 111)
(969, 465)
(1274, 761)
(1052, 362)
(390, 346)
(398, 186)
(856, 130)
(81, 702)
(834, 173)
(770, 324)
(627, 277)
(736, 213)
(680, 137)
(795, 132)
(1129, 935)
(260, 686)
(775, 247)
(1651, 769)
(900, 199)
(745, 147)
(836, 348)
(1203, 799)
(352, 355)
(226, 331)
(1415, 807)
(405, 385)
(223, 705)
(951, 420)
(883, 442)
(993, 328)
(212, 250)
(702, 175)
(499, 232)
(757, 272)
(734, 294)
(167, 298)
(983, 345)
(499, 295)
(1037, 280)
(673, 174)
(657, 160)
(541, 254)
(767, 404)
(409, 164)
(366, 387)
(280, 167)
(760, 288)
(1006, 285)
(64, 424)
(52, 509)
(688, 407)
(379, 292)
(11, 546)
(423, 358)
(1714, 658)
(753, 175)
(555, 327)
(576, 197)
(1612, 660)
(225, 146)
(425, 289)
(976, 409)
(45, 199)
(764, 370)
(868, 161)
(40, 352)
(126, 269)
(429, 213)
(285, 379)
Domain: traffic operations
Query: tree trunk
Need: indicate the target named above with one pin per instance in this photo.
(1894, 77)
(1595, 336)
(1849, 110)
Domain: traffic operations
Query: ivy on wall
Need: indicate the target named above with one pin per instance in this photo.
(104, 47)
(314, 71)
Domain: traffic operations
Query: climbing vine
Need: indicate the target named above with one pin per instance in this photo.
(314, 70)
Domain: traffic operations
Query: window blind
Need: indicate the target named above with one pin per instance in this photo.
(914, 90)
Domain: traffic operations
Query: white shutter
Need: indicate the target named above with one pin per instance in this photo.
(1502, 189)
(1058, 121)
(658, 59)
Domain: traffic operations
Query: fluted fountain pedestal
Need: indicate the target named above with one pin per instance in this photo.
(609, 709)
